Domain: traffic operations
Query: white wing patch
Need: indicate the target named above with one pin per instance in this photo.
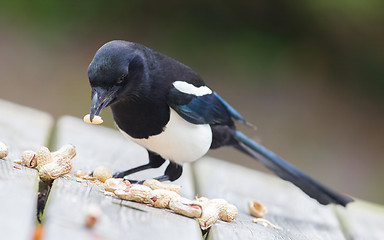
(190, 89)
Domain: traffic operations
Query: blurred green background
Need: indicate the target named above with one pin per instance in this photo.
(308, 73)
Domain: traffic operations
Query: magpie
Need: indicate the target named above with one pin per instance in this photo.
(165, 106)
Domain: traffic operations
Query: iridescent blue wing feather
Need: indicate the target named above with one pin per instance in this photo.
(205, 109)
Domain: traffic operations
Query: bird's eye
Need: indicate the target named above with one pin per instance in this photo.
(120, 80)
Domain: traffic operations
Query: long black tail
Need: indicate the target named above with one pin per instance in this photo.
(288, 172)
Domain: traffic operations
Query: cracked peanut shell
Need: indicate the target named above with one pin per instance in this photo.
(186, 207)
(227, 212)
(209, 216)
(28, 158)
(113, 184)
(135, 192)
(257, 209)
(160, 198)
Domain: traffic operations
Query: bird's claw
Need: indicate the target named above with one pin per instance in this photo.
(118, 175)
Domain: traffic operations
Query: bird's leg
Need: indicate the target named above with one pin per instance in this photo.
(155, 161)
(172, 172)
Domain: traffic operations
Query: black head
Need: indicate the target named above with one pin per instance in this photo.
(112, 72)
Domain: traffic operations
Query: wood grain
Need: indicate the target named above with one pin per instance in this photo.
(96, 145)
(299, 216)
(64, 217)
(21, 128)
(362, 220)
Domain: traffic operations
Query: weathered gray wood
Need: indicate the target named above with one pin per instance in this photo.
(21, 128)
(97, 146)
(299, 216)
(362, 220)
(65, 216)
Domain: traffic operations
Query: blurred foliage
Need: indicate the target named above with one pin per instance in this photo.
(309, 73)
(344, 37)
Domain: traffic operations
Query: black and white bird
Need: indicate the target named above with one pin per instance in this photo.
(165, 106)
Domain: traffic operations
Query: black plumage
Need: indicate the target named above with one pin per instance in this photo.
(166, 107)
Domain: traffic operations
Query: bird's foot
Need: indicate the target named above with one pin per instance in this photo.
(121, 174)
(172, 172)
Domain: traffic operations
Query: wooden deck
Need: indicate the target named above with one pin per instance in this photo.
(21, 128)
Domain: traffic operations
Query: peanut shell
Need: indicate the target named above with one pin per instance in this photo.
(257, 209)
(113, 184)
(91, 215)
(210, 214)
(160, 198)
(135, 192)
(96, 119)
(66, 150)
(102, 173)
(227, 212)
(186, 207)
(3, 150)
(202, 199)
(80, 173)
(43, 156)
(155, 184)
(29, 159)
(55, 169)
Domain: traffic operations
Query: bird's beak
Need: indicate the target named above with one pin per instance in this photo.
(101, 98)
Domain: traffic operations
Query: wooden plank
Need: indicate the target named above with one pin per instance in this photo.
(362, 220)
(96, 146)
(299, 216)
(64, 217)
(21, 128)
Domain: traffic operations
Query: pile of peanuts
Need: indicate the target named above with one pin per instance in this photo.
(152, 192)
(98, 176)
(161, 195)
(50, 165)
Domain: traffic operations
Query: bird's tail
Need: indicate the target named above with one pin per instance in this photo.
(288, 172)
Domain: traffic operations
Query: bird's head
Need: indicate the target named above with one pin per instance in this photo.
(112, 73)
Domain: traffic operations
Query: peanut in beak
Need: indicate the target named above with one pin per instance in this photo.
(96, 119)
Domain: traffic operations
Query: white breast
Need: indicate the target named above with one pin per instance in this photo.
(180, 142)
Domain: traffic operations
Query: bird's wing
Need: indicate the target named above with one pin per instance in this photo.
(200, 105)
